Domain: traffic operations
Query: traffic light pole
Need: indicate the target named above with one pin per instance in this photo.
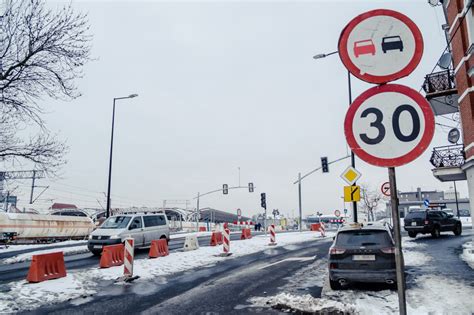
(211, 192)
(354, 203)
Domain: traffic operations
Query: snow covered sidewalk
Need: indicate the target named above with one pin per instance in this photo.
(20, 295)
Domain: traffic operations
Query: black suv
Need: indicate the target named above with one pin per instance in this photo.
(431, 221)
(362, 254)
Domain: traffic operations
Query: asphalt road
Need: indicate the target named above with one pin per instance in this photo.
(218, 289)
(18, 271)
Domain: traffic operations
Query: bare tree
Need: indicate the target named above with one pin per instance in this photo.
(42, 52)
(371, 199)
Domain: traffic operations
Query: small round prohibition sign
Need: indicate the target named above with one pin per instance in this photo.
(389, 125)
(385, 188)
(381, 46)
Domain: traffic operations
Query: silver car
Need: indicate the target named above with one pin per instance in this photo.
(143, 228)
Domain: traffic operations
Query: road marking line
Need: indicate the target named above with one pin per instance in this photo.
(289, 259)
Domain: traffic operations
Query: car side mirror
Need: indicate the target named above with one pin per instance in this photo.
(450, 215)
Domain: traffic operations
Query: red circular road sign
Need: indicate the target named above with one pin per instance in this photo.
(389, 125)
(380, 46)
(337, 213)
(385, 188)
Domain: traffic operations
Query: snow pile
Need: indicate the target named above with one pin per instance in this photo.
(413, 253)
(440, 295)
(24, 296)
(303, 303)
(27, 256)
(468, 254)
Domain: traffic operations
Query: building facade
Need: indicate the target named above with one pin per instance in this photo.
(451, 91)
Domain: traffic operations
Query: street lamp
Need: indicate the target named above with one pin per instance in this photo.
(320, 56)
(111, 149)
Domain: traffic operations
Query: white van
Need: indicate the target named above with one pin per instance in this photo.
(142, 227)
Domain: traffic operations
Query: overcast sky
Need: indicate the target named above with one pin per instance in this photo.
(221, 85)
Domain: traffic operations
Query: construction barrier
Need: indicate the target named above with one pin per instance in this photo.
(322, 229)
(272, 235)
(226, 242)
(216, 238)
(46, 267)
(159, 248)
(246, 234)
(202, 229)
(191, 243)
(128, 258)
(112, 255)
(315, 227)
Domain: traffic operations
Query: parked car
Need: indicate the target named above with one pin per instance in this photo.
(431, 221)
(364, 47)
(392, 43)
(362, 254)
(143, 228)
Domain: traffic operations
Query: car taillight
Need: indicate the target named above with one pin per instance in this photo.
(427, 222)
(336, 251)
(388, 250)
(332, 266)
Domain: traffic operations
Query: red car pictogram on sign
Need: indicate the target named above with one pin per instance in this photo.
(364, 47)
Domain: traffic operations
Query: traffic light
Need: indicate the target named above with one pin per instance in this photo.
(263, 201)
(225, 189)
(250, 187)
(324, 164)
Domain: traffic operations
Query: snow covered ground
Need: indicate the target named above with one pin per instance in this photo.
(20, 295)
(468, 254)
(431, 294)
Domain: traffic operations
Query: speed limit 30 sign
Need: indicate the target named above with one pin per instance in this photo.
(389, 125)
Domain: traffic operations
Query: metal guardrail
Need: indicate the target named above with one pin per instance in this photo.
(448, 156)
(438, 82)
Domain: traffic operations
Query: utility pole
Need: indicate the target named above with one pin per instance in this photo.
(197, 212)
(32, 187)
(456, 196)
(299, 199)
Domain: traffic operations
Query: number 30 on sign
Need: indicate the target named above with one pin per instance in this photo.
(389, 125)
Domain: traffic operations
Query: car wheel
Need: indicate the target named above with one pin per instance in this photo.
(412, 234)
(435, 233)
(334, 285)
(457, 229)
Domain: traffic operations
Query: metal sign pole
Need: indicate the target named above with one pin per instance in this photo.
(197, 213)
(398, 242)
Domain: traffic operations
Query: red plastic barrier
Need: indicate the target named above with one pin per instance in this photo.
(202, 229)
(315, 227)
(216, 238)
(46, 266)
(246, 234)
(112, 255)
(159, 248)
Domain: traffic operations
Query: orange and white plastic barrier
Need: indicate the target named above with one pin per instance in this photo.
(272, 235)
(128, 258)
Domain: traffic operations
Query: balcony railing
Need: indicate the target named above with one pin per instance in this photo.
(439, 83)
(448, 156)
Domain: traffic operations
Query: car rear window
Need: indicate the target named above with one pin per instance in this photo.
(416, 215)
(363, 238)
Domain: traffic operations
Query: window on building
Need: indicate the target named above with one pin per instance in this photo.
(470, 26)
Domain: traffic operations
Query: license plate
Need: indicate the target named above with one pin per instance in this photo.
(413, 223)
(363, 257)
(97, 246)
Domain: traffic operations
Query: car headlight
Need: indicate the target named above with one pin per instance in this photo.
(114, 237)
(90, 236)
